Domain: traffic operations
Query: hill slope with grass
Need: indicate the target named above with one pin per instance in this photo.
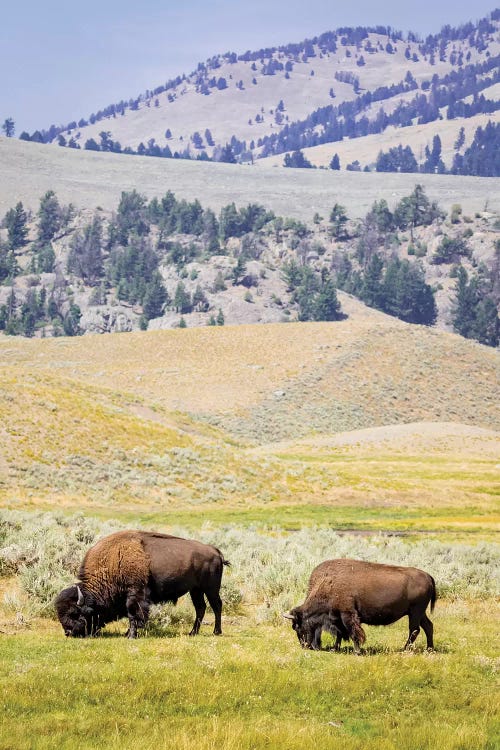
(90, 179)
(171, 422)
(284, 445)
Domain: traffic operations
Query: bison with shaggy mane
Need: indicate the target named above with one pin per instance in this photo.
(125, 573)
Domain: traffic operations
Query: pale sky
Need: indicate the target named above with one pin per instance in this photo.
(62, 61)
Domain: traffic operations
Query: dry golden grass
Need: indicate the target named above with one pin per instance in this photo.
(370, 364)
(174, 422)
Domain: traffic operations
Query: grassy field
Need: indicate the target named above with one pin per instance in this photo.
(260, 440)
(253, 687)
(283, 445)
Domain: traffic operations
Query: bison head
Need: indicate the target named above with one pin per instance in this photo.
(301, 625)
(307, 625)
(75, 615)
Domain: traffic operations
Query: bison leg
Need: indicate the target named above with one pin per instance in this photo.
(338, 642)
(137, 611)
(199, 604)
(216, 603)
(429, 631)
(413, 628)
(316, 639)
(356, 633)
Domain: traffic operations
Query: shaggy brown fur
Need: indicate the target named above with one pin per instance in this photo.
(115, 564)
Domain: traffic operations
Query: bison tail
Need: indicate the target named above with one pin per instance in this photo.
(224, 562)
(433, 593)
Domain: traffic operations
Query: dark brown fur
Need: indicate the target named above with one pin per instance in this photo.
(343, 594)
(126, 572)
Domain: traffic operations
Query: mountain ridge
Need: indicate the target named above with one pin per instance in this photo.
(242, 100)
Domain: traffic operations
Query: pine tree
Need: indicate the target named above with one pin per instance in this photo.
(132, 216)
(15, 221)
(227, 155)
(8, 127)
(371, 291)
(466, 299)
(326, 304)
(338, 221)
(460, 139)
(71, 321)
(239, 270)
(49, 217)
(8, 263)
(197, 140)
(210, 232)
(155, 297)
(199, 300)
(85, 256)
(487, 323)
(230, 222)
(475, 313)
(297, 160)
(335, 162)
(305, 294)
(182, 299)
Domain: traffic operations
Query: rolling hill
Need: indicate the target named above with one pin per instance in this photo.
(178, 421)
(90, 179)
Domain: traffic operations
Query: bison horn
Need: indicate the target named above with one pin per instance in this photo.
(287, 616)
(80, 596)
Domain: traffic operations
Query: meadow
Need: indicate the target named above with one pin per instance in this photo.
(369, 439)
(254, 686)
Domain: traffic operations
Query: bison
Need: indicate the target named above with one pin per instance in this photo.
(126, 572)
(343, 594)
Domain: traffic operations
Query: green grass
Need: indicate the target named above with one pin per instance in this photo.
(253, 688)
(455, 524)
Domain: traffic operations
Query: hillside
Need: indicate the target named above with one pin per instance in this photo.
(168, 262)
(315, 91)
(161, 422)
(90, 179)
(366, 149)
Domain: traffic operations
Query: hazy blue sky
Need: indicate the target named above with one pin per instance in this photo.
(61, 61)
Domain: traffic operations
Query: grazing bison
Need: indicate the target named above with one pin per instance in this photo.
(124, 573)
(343, 594)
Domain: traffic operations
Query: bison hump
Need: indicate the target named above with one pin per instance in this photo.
(115, 564)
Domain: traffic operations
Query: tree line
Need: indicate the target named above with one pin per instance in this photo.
(123, 255)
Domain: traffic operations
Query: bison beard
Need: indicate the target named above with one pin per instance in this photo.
(343, 594)
(124, 573)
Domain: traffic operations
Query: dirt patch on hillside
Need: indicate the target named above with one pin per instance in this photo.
(446, 437)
